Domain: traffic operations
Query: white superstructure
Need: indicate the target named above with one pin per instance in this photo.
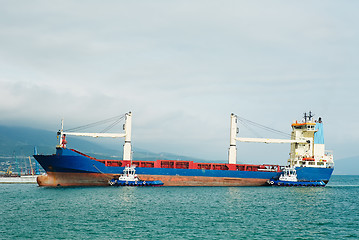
(307, 143)
(312, 154)
(289, 174)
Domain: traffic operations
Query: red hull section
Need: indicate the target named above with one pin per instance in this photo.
(53, 179)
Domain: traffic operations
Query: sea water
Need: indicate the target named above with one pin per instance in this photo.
(32, 212)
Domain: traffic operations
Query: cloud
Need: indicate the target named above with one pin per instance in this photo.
(181, 67)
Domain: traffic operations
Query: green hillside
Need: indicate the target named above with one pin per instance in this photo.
(20, 142)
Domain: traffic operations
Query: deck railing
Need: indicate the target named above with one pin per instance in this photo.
(175, 164)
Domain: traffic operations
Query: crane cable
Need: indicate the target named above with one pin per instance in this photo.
(249, 128)
(115, 120)
(245, 123)
(112, 125)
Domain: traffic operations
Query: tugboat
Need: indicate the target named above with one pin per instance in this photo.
(289, 178)
(129, 178)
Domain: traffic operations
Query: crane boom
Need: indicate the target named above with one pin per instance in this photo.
(232, 151)
(95, 135)
(127, 149)
(270, 140)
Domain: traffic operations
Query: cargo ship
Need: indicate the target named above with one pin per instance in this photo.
(70, 167)
(19, 179)
(20, 176)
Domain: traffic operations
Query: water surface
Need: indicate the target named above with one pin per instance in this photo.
(28, 211)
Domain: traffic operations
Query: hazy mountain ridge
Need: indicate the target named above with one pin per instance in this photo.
(347, 166)
(22, 140)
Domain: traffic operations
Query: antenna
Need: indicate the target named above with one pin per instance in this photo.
(305, 117)
(310, 115)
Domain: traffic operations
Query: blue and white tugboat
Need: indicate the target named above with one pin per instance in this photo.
(289, 178)
(130, 178)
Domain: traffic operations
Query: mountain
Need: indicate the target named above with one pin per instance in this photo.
(347, 166)
(22, 140)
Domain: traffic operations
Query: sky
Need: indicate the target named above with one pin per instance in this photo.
(182, 67)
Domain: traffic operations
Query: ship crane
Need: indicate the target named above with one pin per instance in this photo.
(127, 149)
(232, 154)
(270, 140)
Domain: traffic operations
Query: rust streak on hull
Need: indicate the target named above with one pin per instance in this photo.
(204, 181)
(54, 179)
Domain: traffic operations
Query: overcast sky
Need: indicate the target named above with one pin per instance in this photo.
(182, 67)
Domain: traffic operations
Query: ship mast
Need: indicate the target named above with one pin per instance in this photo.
(127, 149)
(232, 152)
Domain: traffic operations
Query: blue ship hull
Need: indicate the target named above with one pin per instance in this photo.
(70, 168)
(296, 184)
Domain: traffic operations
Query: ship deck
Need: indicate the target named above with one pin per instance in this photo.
(179, 164)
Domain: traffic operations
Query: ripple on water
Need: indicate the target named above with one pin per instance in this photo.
(29, 211)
